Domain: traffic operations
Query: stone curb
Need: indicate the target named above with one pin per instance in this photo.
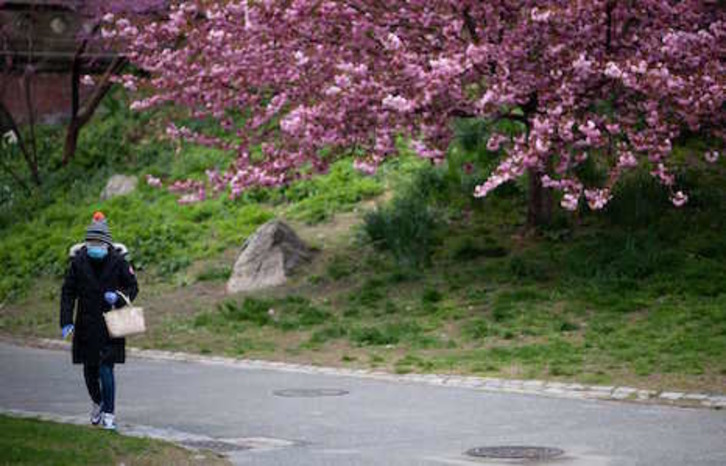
(488, 384)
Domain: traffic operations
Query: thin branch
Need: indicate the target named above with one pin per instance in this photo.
(33, 159)
(609, 25)
(90, 106)
(470, 25)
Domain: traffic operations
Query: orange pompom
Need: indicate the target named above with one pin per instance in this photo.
(98, 216)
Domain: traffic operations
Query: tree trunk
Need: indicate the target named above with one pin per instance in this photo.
(539, 209)
(69, 149)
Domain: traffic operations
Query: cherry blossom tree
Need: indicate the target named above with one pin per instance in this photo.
(613, 83)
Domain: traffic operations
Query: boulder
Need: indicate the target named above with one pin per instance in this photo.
(268, 258)
(119, 185)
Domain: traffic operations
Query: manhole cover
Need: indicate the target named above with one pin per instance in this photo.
(309, 392)
(511, 452)
(214, 445)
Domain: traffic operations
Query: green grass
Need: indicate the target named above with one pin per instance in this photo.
(316, 200)
(32, 442)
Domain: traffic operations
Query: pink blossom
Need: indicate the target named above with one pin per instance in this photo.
(712, 156)
(365, 167)
(541, 145)
(393, 42)
(662, 174)
(108, 33)
(342, 81)
(627, 160)
(426, 152)
(679, 199)
(548, 182)
(570, 202)
(153, 181)
(191, 198)
(300, 58)
(445, 66)
(495, 142)
(582, 65)
(540, 16)
(613, 71)
(122, 23)
(129, 82)
(591, 132)
(613, 128)
(397, 103)
(597, 198)
(294, 122)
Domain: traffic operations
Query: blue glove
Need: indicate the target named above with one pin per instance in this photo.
(67, 330)
(110, 297)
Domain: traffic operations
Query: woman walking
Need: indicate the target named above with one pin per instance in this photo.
(96, 272)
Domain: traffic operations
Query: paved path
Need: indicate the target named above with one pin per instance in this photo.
(377, 423)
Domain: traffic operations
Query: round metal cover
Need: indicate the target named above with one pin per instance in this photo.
(309, 392)
(516, 452)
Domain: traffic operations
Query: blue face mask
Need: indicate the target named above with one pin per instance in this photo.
(97, 252)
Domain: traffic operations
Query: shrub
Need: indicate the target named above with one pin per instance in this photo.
(406, 228)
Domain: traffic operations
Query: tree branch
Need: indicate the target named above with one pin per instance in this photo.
(80, 117)
(470, 25)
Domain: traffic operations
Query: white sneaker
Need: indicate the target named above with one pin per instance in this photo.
(109, 421)
(95, 414)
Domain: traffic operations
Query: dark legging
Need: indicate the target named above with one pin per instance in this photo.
(100, 384)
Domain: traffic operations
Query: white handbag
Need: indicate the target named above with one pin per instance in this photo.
(128, 320)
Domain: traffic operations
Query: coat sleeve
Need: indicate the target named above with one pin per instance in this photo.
(69, 294)
(129, 285)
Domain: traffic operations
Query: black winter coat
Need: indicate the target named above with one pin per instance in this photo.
(86, 283)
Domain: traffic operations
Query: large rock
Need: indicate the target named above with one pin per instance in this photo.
(119, 185)
(268, 257)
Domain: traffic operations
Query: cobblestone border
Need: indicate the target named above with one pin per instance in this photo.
(488, 384)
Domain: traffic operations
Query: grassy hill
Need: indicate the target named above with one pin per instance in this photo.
(412, 274)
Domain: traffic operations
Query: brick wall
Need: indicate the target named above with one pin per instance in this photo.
(51, 95)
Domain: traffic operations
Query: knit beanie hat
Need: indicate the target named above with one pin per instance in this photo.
(98, 229)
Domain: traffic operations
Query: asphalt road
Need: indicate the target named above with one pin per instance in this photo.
(376, 423)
